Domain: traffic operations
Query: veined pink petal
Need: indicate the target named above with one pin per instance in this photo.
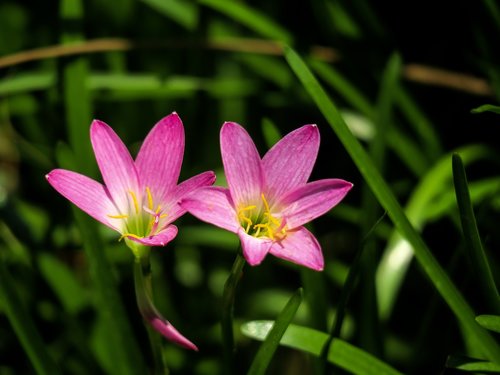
(185, 188)
(160, 239)
(164, 327)
(289, 162)
(242, 164)
(309, 201)
(116, 165)
(88, 195)
(160, 157)
(254, 249)
(213, 205)
(301, 247)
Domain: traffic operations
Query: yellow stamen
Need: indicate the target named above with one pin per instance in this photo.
(134, 199)
(150, 198)
(265, 203)
(118, 216)
(129, 235)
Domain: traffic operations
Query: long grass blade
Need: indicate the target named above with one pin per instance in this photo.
(272, 340)
(251, 18)
(341, 354)
(23, 326)
(474, 247)
(381, 190)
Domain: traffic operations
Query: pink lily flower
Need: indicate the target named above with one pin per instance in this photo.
(269, 200)
(140, 198)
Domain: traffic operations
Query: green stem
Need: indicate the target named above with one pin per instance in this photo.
(142, 282)
(227, 311)
(24, 327)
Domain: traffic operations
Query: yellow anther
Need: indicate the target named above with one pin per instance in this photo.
(134, 199)
(118, 216)
(150, 198)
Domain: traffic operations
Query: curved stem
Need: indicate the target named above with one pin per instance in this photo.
(144, 294)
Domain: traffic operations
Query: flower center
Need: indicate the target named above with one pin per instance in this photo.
(142, 219)
(260, 222)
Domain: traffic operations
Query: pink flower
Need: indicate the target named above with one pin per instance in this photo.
(269, 199)
(139, 198)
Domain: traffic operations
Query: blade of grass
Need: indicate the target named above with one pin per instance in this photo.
(341, 354)
(472, 365)
(409, 152)
(473, 243)
(183, 12)
(251, 18)
(77, 104)
(381, 190)
(370, 333)
(63, 282)
(270, 131)
(23, 326)
(398, 253)
(490, 322)
(268, 348)
(486, 108)
(420, 123)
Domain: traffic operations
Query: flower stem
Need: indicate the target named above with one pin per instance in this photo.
(227, 311)
(143, 290)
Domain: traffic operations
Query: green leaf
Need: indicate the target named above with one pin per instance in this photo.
(273, 337)
(486, 108)
(23, 325)
(421, 124)
(21, 83)
(251, 18)
(420, 208)
(472, 365)
(204, 235)
(63, 283)
(490, 322)
(474, 246)
(386, 198)
(184, 13)
(270, 131)
(341, 354)
(346, 89)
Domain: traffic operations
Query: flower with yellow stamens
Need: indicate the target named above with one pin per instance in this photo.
(269, 199)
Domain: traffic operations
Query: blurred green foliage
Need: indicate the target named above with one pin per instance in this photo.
(405, 80)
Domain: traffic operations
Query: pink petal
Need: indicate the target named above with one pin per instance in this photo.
(187, 187)
(289, 162)
(309, 201)
(212, 205)
(254, 249)
(116, 165)
(301, 247)
(242, 164)
(164, 327)
(160, 157)
(88, 195)
(160, 239)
